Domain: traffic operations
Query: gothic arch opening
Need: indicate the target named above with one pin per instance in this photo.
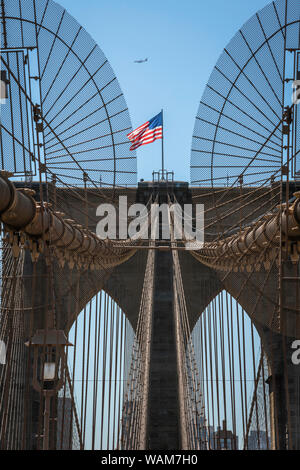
(92, 401)
(233, 371)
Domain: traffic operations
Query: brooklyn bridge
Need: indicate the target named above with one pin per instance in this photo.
(142, 342)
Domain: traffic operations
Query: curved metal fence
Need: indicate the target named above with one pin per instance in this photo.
(64, 108)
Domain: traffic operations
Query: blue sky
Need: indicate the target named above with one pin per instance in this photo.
(183, 41)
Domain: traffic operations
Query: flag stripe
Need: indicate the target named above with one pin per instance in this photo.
(137, 136)
(143, 142)
(134, 147)
(147, 133)
(137, 131)
(150, 139)
(146, 141)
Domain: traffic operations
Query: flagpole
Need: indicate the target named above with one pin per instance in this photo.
(162, 145)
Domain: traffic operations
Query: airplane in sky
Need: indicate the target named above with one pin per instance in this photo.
(141, 61)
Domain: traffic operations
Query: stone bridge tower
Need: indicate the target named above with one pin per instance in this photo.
(201, 285)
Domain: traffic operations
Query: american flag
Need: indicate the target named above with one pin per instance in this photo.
(147, 133)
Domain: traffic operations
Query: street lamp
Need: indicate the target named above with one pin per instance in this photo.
(4, 82)
(48, 365)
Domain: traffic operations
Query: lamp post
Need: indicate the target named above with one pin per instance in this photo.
(4, 82)
(48, 366)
